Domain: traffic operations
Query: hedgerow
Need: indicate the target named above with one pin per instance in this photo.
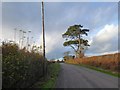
(20, 68)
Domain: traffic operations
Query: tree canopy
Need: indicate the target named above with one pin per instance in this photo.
(74, 38)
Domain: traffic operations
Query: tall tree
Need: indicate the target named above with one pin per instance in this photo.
(74, 39)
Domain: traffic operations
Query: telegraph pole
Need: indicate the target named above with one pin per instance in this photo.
(43, 30)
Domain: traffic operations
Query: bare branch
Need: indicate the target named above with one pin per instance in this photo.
(73, 48)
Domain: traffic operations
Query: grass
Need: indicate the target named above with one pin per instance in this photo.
(51, 79)
(115, 74)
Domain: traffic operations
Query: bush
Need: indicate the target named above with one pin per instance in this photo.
(20, 68)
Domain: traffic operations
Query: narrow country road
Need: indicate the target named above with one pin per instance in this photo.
(72, 76)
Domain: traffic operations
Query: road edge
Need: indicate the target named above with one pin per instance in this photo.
(98, 69)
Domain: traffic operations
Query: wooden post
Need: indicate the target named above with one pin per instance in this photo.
(43, 30)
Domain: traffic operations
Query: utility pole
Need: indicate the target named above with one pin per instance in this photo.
(43, 30)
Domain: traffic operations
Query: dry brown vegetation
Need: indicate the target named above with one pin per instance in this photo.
(109, 61)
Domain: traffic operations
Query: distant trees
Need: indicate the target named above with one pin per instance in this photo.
(74, 39)
(67, 56)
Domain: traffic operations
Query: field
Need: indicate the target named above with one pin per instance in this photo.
(108, 62)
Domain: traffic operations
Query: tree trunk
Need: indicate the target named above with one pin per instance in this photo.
(79, 54)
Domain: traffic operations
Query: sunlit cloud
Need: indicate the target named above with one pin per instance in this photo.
(106, 40)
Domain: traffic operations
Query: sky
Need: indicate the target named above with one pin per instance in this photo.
(101, 18)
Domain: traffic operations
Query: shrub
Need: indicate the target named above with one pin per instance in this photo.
(20, 68)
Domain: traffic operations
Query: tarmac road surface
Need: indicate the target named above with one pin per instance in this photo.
(72, 76)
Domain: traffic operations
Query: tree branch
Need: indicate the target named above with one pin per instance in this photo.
(73, 48)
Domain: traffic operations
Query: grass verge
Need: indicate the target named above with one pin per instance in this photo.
(115, 74)
(51, 78)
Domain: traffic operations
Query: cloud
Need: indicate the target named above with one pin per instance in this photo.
(105, 41)
(105, 14)
(107, 33)
(60, 1)
(58, 17)
(53, 40)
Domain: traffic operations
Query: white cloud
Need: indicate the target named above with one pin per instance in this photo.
(7, 33)
(105, 41)
(107, 33)
(53, 41)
